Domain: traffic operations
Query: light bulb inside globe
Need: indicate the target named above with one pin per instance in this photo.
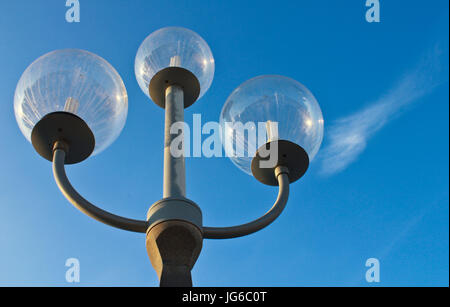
(174, 55)
(71, 95)
(71, 105)
(271, 119)
(272, 131)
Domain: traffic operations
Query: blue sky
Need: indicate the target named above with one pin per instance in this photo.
(377, 189)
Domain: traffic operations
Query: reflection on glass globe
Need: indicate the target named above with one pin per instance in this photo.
(74, 81)
(174, 47)
(269, 108)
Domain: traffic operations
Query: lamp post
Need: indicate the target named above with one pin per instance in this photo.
(72, 104)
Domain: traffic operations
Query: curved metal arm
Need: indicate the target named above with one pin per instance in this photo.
(262, 222)
(86, 207)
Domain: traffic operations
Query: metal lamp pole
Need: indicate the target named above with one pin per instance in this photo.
(174, 226)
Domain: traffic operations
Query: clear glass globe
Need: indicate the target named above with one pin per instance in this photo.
(174, 47)
(75, 81)
(269, 108)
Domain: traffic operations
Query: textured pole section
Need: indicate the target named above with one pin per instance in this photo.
(173, 248)
(174, 169)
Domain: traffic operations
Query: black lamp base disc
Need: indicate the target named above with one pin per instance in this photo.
(174, 76)
(290, 155)
(66, 127)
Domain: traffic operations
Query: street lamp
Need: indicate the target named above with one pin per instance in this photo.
(71, 104)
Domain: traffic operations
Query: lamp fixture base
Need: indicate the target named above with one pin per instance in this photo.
(68, 128)
(174, 240)
(289, 154)
(174, 76)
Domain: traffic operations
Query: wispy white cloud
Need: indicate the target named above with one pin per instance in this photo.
(348, 136)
